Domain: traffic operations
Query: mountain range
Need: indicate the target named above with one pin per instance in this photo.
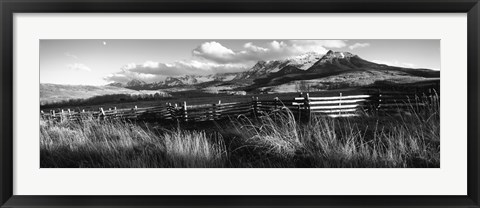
(317, 71)
(136, 84)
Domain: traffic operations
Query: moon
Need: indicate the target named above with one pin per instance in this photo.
(104, 43)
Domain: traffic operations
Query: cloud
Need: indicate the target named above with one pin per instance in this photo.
(216, 52)
(214, 48)
(395, 63)
(276, 46)
(151, 71)
(71, 55)
(322, 43)
(359, 45)
(78, 67)
(126, 76)
(254, 48)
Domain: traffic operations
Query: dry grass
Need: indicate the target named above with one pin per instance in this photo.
(97, 144)
(409, 139)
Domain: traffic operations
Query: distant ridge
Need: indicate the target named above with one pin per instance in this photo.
(308, 66)
(51, 93)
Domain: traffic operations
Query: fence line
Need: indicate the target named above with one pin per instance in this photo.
(303, 106)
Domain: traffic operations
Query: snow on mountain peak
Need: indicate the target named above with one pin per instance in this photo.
(305, 60)
(135, 82)
(307, 55)
(332, 54)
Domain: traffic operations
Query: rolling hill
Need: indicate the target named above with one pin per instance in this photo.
(50, 93)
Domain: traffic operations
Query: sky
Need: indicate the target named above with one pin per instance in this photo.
(100, 62)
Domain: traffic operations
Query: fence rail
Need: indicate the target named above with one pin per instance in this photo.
(302, 106)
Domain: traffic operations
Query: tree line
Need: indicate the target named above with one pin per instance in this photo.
(102, 99)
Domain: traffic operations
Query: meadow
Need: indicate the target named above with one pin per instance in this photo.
(275, 140)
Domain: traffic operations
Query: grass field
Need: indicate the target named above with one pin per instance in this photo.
(276, 140)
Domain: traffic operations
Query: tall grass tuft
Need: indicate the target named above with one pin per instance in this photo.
(101, 144)
(410, 138)
(194, 149)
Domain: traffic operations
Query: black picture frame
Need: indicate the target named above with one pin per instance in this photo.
(9, 7)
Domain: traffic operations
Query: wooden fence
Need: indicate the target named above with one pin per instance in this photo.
(302, 106)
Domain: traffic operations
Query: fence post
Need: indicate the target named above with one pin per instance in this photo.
(185, 116)
(340, 105)
(169, 110)
(164, 112)
(299, 108)
(135, 112)
(275, 103)
(307, 106)
(101, 113)
(257, 110)
(254, 107)
(257, 106)
(175, 111)
(379, 100)
(219, 108)
(82, 114)
(214, 111)
(376, 100)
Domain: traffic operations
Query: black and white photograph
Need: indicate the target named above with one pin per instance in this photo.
(239, 103)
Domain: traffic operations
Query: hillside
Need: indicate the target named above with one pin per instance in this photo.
(50, 93)
(337, 70)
